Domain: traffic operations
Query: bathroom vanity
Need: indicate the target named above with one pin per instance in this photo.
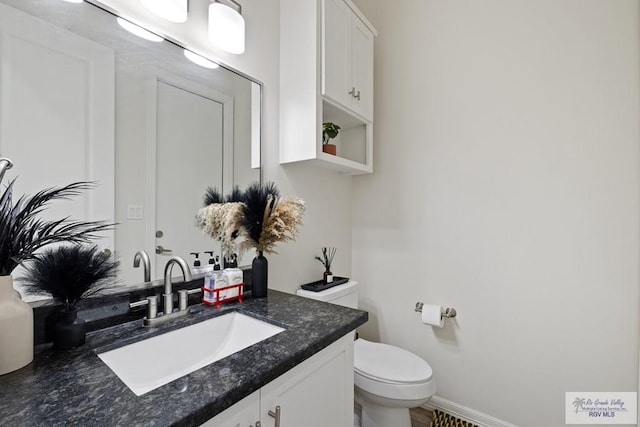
(310, 361)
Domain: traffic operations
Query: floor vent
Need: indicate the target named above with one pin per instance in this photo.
(441, 419)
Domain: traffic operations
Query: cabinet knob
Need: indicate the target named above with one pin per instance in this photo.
(357, 96)
(275, 415)
(352, 92)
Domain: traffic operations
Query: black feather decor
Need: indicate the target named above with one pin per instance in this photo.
(70, 273)
(22, 232)
(235, 196)
(256, 198)
(212, 195)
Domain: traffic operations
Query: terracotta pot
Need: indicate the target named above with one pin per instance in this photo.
(329, 148)
(16, 329)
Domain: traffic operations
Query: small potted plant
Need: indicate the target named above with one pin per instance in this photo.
(70, 273)
(327, 258)
(329, 131)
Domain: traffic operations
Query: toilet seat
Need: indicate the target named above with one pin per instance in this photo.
(389, 364)
(391, 372)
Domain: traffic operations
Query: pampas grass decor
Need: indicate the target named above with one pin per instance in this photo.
(269, 218)
(221, 218)
(212, 195)
(235, 196)
(258, 216)
(70, 273)
(222, 222)
(259, 200)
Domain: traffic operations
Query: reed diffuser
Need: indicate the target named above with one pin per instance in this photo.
(327, 258)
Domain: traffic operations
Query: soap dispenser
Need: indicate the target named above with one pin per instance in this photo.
(212, 261)
(213, 279)
(196, 263)
(208, 269)
(233, 275)
(231, 261)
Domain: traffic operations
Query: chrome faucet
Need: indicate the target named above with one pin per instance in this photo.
(146, 264)
(154, 318)
(168, 287)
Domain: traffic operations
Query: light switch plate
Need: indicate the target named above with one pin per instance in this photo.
(135, 212)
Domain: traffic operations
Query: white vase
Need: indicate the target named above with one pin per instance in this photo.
(16, 329)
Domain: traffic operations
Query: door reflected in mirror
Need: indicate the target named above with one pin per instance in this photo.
(85, 100)
(184, 116)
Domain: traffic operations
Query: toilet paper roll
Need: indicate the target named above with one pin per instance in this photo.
(431, 315)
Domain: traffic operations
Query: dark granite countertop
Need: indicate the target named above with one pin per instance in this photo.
(76, 388)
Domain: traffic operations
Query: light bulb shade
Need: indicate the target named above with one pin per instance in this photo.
(226, 28)
(171, 10)
(139, 31)
(199, 60)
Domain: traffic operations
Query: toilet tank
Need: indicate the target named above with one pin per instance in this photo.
(345, 294)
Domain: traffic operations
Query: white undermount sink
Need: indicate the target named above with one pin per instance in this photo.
(151, 363)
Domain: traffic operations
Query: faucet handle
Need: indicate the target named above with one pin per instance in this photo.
(183, 297)
(152, 306)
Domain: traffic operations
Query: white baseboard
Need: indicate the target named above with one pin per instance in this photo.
(464, 413)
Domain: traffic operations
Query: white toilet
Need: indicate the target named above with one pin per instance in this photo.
(388, 380)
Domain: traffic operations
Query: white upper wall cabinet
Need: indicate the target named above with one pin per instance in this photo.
(347, 59)
(326, 75)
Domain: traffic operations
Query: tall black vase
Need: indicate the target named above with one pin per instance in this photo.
(69, 331)
(260, 275)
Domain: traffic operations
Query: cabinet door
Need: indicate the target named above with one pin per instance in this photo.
(336, 51)
(243, 414)
(316, 393)
(362, 69)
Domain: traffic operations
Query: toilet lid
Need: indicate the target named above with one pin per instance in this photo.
(389, 364)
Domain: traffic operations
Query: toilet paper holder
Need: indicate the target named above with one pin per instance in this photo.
(448, 312)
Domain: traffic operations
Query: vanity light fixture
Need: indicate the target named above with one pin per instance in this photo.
(171, 10)
(226, 26)
(200, 60)
(139, 31)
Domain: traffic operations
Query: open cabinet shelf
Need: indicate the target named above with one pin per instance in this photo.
(354, 141)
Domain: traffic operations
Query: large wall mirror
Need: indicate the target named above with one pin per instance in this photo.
(83, 99)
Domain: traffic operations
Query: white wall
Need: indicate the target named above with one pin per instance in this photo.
(506, 185)
(327, 194)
